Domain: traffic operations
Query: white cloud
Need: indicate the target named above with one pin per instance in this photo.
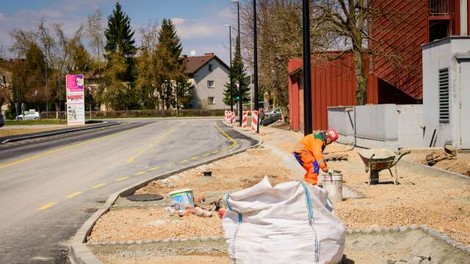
(177, 21)
(2, 17)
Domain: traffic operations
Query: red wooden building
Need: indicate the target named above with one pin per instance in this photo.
(395, 72)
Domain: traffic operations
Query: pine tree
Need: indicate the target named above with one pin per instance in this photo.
(120, 51)
(119, 35)
(238, 75)
(173, 88)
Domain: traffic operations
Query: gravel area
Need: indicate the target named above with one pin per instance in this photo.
(144, 232)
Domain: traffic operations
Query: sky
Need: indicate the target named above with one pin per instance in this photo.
(200, 24)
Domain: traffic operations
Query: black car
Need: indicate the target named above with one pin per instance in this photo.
(271, 116)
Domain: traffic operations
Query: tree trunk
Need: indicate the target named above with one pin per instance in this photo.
(360, 78)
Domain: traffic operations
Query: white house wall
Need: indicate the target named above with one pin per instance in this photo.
(378, 126)
(410, 126)
(219, 75)
(437, 55)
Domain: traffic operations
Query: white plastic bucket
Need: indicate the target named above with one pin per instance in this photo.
(183, 196)
(333, 184)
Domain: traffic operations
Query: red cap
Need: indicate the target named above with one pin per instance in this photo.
(332, 134)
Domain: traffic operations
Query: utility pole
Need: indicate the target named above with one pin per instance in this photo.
(255, 62)
(45, 67)
(306, 69)
(231, 80)
(240, 82)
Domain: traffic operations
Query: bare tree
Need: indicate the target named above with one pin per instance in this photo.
(148, 79)
(56, 49)
(348, 20)
(363, 28)
(279, 39)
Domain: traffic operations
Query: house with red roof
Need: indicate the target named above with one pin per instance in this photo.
(208, 75)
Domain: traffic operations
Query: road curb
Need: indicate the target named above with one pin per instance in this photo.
(80, 252)
(8, 139)
(431, 171)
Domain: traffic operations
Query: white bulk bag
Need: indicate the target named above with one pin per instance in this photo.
(292, 222)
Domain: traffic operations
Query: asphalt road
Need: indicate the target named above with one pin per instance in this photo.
(50, 186)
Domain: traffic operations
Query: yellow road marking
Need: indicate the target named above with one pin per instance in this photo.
(207, 154)
(184, 161)
(170, 165)
(73, 194)
(195, 158)
(131, 159)
(153, 168)
(226, 135)
(99, 186)
(139, 173)
(122, 178)
(215, 152)
(48, 205)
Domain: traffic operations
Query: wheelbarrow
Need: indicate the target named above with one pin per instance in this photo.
(376, 160)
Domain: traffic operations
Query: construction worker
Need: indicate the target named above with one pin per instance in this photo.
(310, 154)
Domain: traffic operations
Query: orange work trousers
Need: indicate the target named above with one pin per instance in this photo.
(308, 162)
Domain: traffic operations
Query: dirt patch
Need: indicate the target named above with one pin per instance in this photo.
(460, 163)
(25, 129)
(441, 203)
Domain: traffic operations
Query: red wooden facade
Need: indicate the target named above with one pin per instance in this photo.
(396, 40)
(332, 85)
(395, 74)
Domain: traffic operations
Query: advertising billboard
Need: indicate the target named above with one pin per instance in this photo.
(75, 84)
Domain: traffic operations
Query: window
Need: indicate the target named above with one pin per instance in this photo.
(439, 29)
(444, 111)
(210, 67)
(210, 84)
(211, 100)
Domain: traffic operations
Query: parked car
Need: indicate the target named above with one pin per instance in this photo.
(271, 116)
(28, 115)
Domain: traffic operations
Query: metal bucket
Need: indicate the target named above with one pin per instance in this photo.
(333, 184)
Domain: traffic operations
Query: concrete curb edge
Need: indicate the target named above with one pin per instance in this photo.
(79, 251)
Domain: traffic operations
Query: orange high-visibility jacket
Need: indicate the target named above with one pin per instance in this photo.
(315, 144)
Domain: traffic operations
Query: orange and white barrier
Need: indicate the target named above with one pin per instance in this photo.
(245, 119)
(229, 116)
(254, 120)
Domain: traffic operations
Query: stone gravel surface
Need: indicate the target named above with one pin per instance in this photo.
(134, 233)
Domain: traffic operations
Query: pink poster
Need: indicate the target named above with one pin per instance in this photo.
(75, 99)
(75, 82)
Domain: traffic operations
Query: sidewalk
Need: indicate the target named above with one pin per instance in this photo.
(423, 207)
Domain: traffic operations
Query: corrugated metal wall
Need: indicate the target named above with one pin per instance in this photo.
(332, 85)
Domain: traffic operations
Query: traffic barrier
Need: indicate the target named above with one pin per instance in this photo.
(232, 117)
(245, 119)
(226, 115)
(254, 120)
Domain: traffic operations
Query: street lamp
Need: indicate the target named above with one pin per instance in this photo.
(306, 69)
(231, 81)
(240, 106)
(255, 62)
(45, 67)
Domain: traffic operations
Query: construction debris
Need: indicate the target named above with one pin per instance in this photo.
(434, 158)
(336, 157)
